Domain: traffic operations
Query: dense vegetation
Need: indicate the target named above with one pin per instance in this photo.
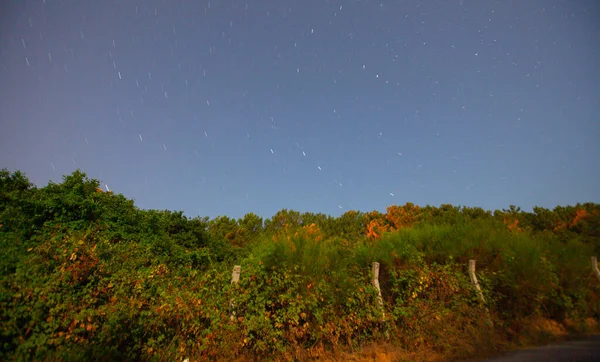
(87, 275)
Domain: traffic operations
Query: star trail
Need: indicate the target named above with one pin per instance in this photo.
(230, 107)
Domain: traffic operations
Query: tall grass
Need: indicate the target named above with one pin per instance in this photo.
(308, 255)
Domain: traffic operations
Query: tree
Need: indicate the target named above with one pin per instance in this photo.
(16, 208)
(73, 202)
(326, 223)
(252, 223)
(222, 228)
(283, 219)
(543, 219)
(445, 214)
(403, 216)
(351, 225)
(377, 224)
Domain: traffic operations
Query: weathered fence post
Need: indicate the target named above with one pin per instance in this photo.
(235, 278)
(474, 280)
(595, 267)
(375, 281)
(478, 288)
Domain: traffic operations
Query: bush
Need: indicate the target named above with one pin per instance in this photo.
(88, 276)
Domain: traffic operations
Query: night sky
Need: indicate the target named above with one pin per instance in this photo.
(229, 107)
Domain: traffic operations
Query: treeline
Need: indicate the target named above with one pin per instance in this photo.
(88, 275)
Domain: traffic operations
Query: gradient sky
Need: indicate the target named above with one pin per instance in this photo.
(228, 107)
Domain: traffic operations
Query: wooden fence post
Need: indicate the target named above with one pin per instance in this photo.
(478, 288)
(474, 280)
(235, 278)
(375, 281)
(595, 267)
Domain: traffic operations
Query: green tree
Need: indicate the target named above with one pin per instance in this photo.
(251, 223)
(72, 202)
(327, 224)
(250, 227)
(282, 219)
(351, 225)
(16, 208)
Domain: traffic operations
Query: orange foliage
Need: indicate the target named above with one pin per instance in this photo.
(512, 225)
(376, 224)
(560, 226)
(313, 231)
(310, 231)
(376, 228)
(402, 216)
(579, 215)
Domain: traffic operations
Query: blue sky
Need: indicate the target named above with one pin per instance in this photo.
(228, 107)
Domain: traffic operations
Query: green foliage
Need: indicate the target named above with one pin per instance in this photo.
(73, 202)
(86, 275)
(351, 225)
